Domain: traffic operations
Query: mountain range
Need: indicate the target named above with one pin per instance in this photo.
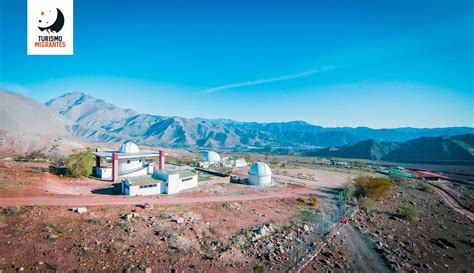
(425, 149)
(98, 120)
(85, 117)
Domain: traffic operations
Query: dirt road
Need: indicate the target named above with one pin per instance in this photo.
(362, 256)
(451, 202)
(102, 200)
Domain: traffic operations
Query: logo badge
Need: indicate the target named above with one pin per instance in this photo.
(50, 27)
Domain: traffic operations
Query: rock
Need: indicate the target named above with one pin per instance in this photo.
(192, 217)
(148, 270)
(181, 243)
(261, 230)
(256, 237)
(327, 254)
(53, 236)
(131, 217)
(443, 243)
(281, 250)
(269, 246)
(80, 209)
(232, 206)
(179, 220)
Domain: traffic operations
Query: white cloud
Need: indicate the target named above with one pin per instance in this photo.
(263, 81)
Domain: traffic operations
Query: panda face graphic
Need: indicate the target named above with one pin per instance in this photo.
(51, 20)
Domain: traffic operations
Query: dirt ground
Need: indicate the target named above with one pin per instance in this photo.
(57, 239)
(209, 229)
(439, 239)
(31, 184)
(217, 227)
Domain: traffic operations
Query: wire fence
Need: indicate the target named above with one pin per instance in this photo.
(306, 243)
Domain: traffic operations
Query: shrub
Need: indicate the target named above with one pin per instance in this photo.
(96, 221)
(407, 211)
(371, 187)
(20, 158)
(366, 203)
(80, 163)
(401, 181)
(11, 211)
(424, 187)
(307, 216)
(314, 200)
(260, 268)
(349, 191)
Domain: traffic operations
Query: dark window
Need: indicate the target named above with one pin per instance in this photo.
(148, 186)
(128, 161)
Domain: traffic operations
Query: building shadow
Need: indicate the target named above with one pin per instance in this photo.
(114, 189)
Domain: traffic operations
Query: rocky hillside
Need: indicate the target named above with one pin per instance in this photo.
(424, 149)
(27, 125)
(101, 121)
(20, 114)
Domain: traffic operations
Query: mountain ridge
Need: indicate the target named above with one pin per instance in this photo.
(21, 114)
(98, 120)
(423, 149)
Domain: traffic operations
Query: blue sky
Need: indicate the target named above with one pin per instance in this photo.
(380, 64)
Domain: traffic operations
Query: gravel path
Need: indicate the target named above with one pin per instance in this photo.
(362, 256)
(450, 201)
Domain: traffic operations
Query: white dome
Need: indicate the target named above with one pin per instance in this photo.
(129, 147)
(260, 169)
(260, 174)
(211, 156)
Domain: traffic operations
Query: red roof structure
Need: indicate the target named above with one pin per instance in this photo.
(426, 175)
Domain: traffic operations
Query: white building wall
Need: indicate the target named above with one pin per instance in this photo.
(188, 184)
(137, 190)
(173, 182)
(103, 172)
(150, 168)
(239, 163)
(140, 172)
(265, 180)
(134, 163)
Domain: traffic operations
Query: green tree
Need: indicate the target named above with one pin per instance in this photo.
(80, 163)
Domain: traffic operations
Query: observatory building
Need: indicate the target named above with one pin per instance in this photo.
(260, 174)
(230, 162)
(209, 159)
(212, 160)
(128, 161)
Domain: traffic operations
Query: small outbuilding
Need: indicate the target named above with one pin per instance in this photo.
(161, 182)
